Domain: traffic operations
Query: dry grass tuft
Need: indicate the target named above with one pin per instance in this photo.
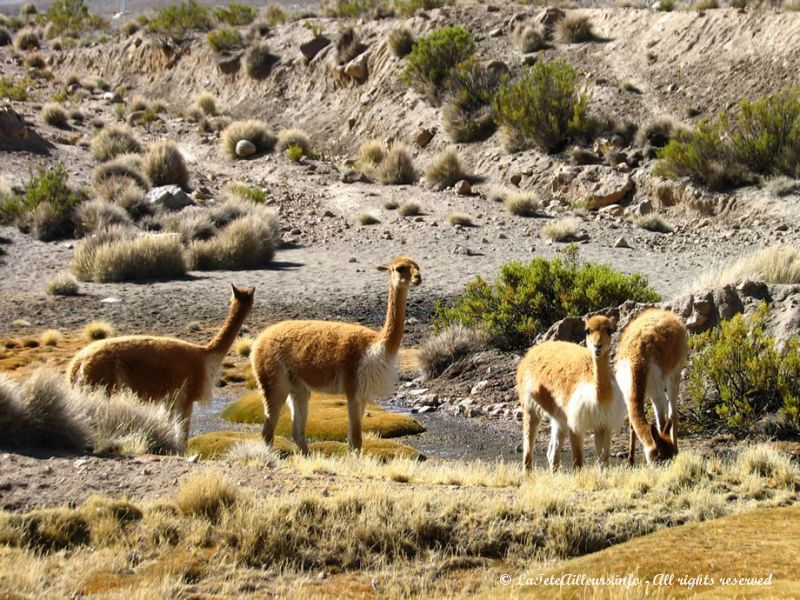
(51, 337)
(561, 230)
(370, 156)
(26, 39)
(781, 186)
(62, 284)
(208, 495)
(247, 242)
(448, 346)
(653, 223)
(124, 165)
(776, 264)
(293, 137)
(365, 219)
(575, 29)
(243, 346)
(98, 330)
(98, 215)
(460, 220)
(259, 60)
(120, 256)
(521, 204)
(54, 115)
(252, 453)
(397, 168)
(112, 141)
(400, 41)
(446, 169)
(410, 209)
(531, 38)
(252, 131)
(207, 104)
(164, 165)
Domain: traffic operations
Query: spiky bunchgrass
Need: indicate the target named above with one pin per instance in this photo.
(34, 60)
(128, 166)
(62, 284)
(98, 330)
(561, 230)
(122, 423)
(252, 453)
(521, 204)
(99, 214)
(446, 169)
(293, 137)
(112, 141)
(41, 412)
(125, 256)
(775, 264)
(764, 460)
(51, 337)
(243, 345)
(53, 114)
(366, 219)
(164, 165)
(467, 125)
(26, 39)
(370, 155)
(207, 494)
(653, 223)
(460, 220)
(410, 209)
(660, 131)
(259, 60)
(448, 346)
(782, 186)
(224, 39)
(400, 41)
(574, 29)
(207, 103)
(397, 167)
(247, 242)
(192, 223)
(531, 38)
(252, 131)
(230, 210)
(28, 10)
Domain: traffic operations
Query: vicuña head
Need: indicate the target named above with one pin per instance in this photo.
(650, 356)
(163, 368)
(573, 385)
(292, 358)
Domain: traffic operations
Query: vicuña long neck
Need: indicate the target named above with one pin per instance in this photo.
(602, 379)
(229, 330)
(392, 333)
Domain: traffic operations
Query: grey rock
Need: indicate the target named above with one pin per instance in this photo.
(424, 137)
(463, 188)
(357, 68)
(12, 125)
(169, 197)
(621, 243)
(313, 47)
(245, 148)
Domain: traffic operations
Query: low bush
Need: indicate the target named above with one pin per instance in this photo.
(34, 60)
(128, 166)
(433, 58)
(575, 29)
(245, 243)
(236, 14)
(544, 107)
(71, 16)
(259, 60)
(460, 219)
(397, 168)
(54, 115)
(527, 298)
(468, 115)
(47, 206)
(98, 330)
(224, 39)
(127, 257)
(400, 41)
(164, 165)
(192, 223)
(51, 337)
(112, 141)
(176, 20)
(446, 169)
(207, 103)
(738, 375)
(62, 284)
(761, 138)
(410, 209)
(252, 131)
(207, 494)
(366, 219)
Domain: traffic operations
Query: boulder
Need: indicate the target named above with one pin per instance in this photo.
(314, 46)
(12, 125)
(357, 68)
(169, 197)
(463, 188)
(593, 186)
(245, 148)
(113, 97)
(425, 136)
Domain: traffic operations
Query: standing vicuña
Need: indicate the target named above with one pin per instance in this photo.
(294, 357)
(162, 368)
(574, 386)
(650, 355)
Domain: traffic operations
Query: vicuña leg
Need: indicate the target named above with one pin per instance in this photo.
(576, 442)
(557, 436)
(300, 398)
(530, 426)
(274, 399)
(632, 446)
(602, 444)
(673, 392)
(355, 411)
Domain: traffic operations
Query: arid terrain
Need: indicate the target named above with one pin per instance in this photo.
(205, 523)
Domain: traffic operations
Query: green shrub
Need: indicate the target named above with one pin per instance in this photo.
(178, 19)
(65, 16)
(294, 153)
(666, 5)
(759, 138)
(14, 89)
(224, 39)
(433, 58)
(527, 298)
(47, 205)
(350, 9)
(236, 14)
(247, 192)
(737, 375)
(544, 107)
(408, 8)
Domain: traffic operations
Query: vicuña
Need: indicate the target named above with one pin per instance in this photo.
(650, 355)
(292, 358)
(575, 387)
(162, 368)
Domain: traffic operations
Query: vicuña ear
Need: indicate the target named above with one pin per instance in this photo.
(383, 267)
(233, 289)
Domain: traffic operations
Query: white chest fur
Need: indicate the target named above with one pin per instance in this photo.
(377, 373)
(585, 413)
